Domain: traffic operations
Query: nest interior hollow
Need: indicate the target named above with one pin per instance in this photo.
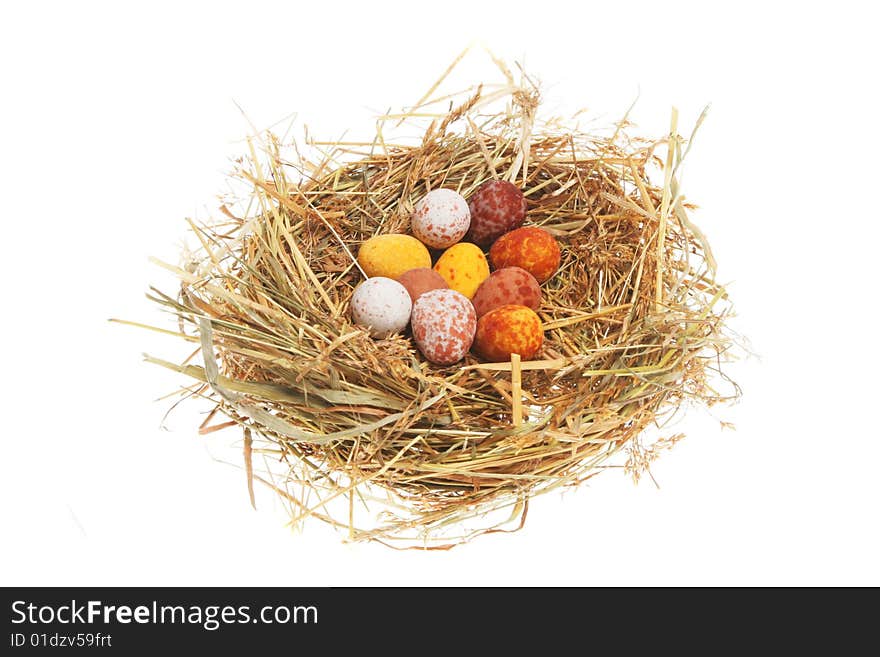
(632, 321)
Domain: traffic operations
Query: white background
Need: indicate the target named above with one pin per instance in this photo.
(117, 123)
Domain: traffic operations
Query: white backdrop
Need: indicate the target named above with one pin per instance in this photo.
(117, 123)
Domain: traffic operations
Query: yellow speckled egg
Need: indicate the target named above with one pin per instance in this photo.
(390, 256)
(463, 267)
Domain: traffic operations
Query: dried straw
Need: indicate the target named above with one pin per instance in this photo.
(372, 438)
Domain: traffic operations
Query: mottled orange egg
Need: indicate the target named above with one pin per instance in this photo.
(531, 248)
(463, 267)
(511, 285)
(507, 330)
(421, 280)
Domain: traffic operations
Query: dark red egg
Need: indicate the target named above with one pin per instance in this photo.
(496, 208)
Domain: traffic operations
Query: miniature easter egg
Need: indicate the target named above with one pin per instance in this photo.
(511, 285)
(531, 248)
(392, 255)
(496, 207)
(382, 305)
(443, 325)
(508, 330)
(441, 218)
(463, 267)
(421, 280)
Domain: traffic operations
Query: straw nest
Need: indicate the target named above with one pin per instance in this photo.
(368, 436)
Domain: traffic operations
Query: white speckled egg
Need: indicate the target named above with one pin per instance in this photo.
(444, 323)
(381, 304)
(441, 218)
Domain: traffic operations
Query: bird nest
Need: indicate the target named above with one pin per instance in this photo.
(366, 434)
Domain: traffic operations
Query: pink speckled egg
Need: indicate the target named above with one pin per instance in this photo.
(382, 305)
(511, 285)
(496, 207)
(444, 323)
(441, 218)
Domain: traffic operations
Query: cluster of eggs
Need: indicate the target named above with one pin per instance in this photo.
(457, 304)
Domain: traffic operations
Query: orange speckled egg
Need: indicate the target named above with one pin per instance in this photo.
(421, 280)
(507, 330)
(511, 285)
(463, 267)
(391, 255)
(531, 248)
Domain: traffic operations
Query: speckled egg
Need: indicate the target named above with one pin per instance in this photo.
(463, 267)
(443, 325)
(382, 305)
(421, 280)
(496, 207)
(511, 285)
(531, 248)
(441, 218)
(508, 330)
(392, 255)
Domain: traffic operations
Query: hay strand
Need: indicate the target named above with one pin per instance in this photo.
(516, 389)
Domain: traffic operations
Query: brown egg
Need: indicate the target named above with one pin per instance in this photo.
(511, 285)
(421, 280)
(508, 330)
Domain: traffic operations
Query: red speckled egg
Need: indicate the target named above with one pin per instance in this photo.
(496, 207)
(443, 325)
(421, 280)
(441, 218)
(531, 248)
(511, 285)
(509, 330)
